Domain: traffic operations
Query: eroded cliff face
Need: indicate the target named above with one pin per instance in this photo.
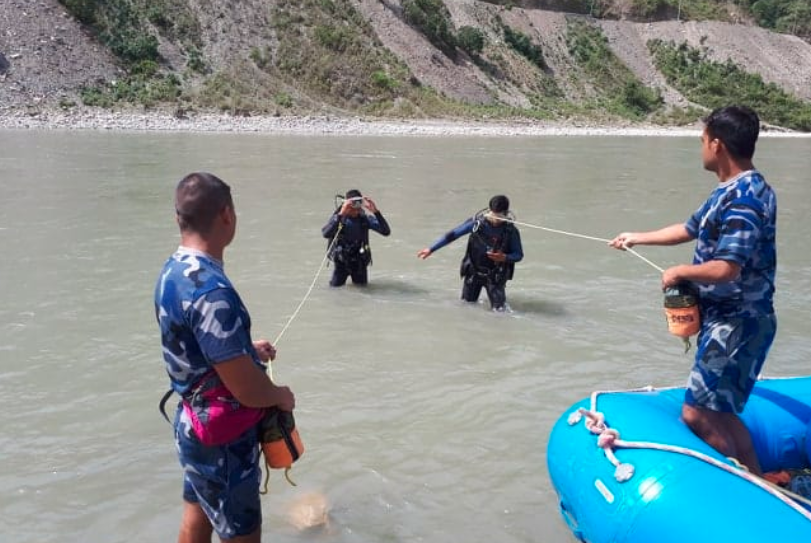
(779, 58)
(46, 56)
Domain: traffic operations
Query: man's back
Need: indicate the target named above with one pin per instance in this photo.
(190, 297)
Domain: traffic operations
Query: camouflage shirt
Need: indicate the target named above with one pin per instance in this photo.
(737, 223)
(201, 317)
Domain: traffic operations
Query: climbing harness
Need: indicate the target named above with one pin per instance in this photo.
(609, 440)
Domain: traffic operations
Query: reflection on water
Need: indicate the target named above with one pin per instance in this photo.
(525, 305)
(425, 418)
(393, 289)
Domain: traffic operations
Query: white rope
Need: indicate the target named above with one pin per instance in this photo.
(528, 225)
(575, 235)
(309, 290)
(609, 439)
(301, 304)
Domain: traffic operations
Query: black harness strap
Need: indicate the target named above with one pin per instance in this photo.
(162, 404)
(204, 383)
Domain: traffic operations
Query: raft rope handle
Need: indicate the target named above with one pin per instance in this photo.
(608, 439)
(582, 236)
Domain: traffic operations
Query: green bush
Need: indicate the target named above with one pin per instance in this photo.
(523, 45)
(145, 68)
(196, 62)
(337, 38)
(95, 97)
(159, 17)
(431, 17)
(383, 80)
(260, 57)
(120, 25)
(83, 10)
(617, 88)
(283, 99)
(639, 99)
(715, 84)
(647, 8)
(471, 40)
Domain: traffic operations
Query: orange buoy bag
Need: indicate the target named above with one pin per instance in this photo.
(681, 311)
(281, 443)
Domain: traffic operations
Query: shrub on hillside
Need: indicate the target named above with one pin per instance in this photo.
(83, 10)
(431, 17)
(523, 44)
(715, 84)
(471, 40)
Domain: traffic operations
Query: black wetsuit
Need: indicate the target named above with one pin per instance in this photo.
(351, 254)
(477, 270)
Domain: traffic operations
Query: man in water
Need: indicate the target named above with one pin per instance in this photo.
(734, 268)
(206, 337)
(493, 248)
(348, 231)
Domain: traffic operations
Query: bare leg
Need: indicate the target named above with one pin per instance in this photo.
(194, 526)
(724, 432)
(255, 537)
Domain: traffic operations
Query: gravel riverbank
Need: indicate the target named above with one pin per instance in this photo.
(324, 125)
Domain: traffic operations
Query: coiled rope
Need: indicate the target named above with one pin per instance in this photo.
(609, 439)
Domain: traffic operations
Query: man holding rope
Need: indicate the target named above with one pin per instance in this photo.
(734, 269)
(216, 368)
(493, 248)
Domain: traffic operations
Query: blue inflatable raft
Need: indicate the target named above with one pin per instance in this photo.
(627, 470)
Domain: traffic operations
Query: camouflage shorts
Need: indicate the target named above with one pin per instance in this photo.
(729, 357)
(224, 480)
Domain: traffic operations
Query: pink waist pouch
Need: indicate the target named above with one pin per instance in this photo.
(217, 417)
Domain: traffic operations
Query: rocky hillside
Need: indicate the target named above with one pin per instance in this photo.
(405, 58)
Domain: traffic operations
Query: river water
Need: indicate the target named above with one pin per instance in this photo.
(424, 419)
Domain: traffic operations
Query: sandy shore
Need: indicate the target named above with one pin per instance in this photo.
(324, 125)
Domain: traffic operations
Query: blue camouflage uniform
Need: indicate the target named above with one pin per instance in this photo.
(203, 321)
(737, 223)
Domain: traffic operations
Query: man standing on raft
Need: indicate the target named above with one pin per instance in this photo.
(734, 269)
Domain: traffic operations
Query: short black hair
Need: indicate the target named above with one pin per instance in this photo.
(499, 204)
(737, 127)
(353, 193)
(198, 198)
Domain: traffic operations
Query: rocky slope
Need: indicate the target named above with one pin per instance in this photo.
(46, 56)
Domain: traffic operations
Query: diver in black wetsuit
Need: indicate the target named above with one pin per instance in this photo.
(493, 248)
(350, 252)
